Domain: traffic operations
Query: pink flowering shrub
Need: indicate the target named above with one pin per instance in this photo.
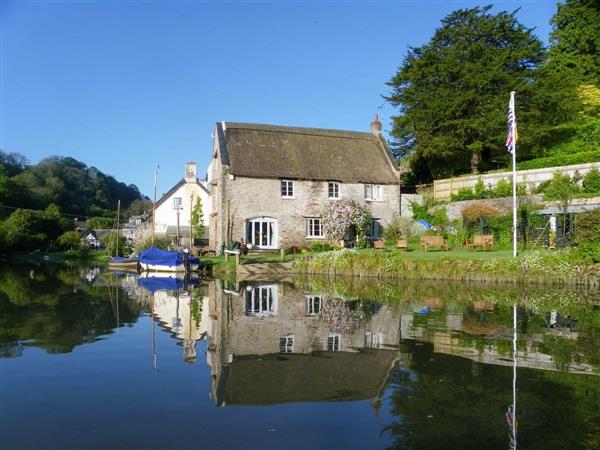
(338, 216)
(340, 317)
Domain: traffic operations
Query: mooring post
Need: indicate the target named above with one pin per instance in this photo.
(237, 259)
(282, 254)
(226, 256)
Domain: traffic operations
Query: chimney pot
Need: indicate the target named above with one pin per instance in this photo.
(376, 125)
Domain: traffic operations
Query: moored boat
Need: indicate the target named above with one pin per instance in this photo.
(119, 262)
(155, 259)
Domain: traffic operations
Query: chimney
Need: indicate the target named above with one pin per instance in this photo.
(191, 168)
(376, 126)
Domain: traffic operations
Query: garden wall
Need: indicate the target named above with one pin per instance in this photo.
(443, 189)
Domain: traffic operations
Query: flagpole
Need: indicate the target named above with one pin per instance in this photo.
(514, 175)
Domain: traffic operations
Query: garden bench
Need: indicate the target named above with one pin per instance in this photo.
(379, 245)
(481, 240)
(433, 241)
(402, 244)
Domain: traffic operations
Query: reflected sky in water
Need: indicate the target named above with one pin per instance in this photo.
(91, 359)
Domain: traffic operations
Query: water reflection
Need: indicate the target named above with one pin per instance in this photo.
(424, 365)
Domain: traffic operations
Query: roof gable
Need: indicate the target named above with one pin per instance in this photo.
(268, 151)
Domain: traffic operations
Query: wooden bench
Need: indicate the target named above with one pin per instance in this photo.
(402, 244)
(433, 241)
(481, 240)
(379, 245)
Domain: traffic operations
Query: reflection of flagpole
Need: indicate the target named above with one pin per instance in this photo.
(155, 360)
(511, 415)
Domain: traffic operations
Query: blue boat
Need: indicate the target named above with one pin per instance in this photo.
(155, 259)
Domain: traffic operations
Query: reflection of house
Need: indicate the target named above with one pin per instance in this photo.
(269, 184)
(488, 343)
(185, 317)
(271, 344)
(175, 207)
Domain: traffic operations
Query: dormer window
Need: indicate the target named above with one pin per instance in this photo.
(333, 190)
(287, 189)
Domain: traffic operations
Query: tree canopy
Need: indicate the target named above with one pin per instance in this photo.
(70, 184)
(575, 38)
(452, 93)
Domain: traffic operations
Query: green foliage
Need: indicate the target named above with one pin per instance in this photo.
(197, 224)
(26, 229)
(69, 240)
(502, 189)
(587, 227)
(561, 159)
(139, 206)
(575, 38)
(399, 228)
(452, 92)
(113, 241)
(561, 188)
(318, 246)
(145, 242)
(75, 187)
(591, 181)
(100, 223)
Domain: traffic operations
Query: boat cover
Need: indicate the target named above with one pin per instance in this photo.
(194, 260)
(160, 257)
(154, 284)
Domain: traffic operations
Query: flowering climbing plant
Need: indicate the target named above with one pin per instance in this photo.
(338, 216)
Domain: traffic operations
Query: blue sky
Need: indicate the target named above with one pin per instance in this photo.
(127, 85)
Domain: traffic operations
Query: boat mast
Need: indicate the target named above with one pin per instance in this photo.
(154, 204)
(117, 236)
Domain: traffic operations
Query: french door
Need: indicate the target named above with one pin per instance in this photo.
(261, 232)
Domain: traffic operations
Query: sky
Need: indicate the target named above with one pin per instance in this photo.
(126, 86)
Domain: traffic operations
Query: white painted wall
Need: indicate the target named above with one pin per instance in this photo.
(166, 215)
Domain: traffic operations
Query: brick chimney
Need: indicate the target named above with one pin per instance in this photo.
(191, 169)
(376, 125)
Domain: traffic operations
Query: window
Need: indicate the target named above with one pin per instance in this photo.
(314, 227)
(313, 305)
(375, 228)
(261, 232)
(286, 344)
(287, 189)
(374, 192)
(333, 343)
(261, 301)
(373, 339)
(333, 190)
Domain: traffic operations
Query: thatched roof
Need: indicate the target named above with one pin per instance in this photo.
(323, 376)
(268, 151)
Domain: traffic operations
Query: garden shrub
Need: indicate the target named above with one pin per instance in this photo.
(400, 227)
(591, 181)
(587, 227)
(474, 212)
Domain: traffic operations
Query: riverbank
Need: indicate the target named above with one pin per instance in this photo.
(88, 256)
(531, 266)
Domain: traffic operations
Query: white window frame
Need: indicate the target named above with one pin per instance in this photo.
(310, 228)
(373, 339)
(286, 188)
(286, 343)
(335, 340)
(335, 187)
(262, 223)
(261, 301)
(374, 192)
(314, 305)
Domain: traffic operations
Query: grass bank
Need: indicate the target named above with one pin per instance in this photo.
(531, 266)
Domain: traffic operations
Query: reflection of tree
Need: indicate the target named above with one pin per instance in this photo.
(443, 403)
(42, 310)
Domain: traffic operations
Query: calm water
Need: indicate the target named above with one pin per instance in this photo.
(94, 360)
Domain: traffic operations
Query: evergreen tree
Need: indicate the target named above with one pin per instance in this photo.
(453, 92)
(575, 39)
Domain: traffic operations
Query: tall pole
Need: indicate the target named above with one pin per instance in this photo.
(118, 213)
(514, 175)
(154, 205)
(191, 213)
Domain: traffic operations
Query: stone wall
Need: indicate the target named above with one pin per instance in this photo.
(443, 189)
(248, 198)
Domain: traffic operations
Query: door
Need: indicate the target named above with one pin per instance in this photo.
(261, 232)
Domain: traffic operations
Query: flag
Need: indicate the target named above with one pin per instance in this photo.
(511, 138)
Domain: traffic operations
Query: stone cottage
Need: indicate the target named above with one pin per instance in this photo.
(269, 184)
